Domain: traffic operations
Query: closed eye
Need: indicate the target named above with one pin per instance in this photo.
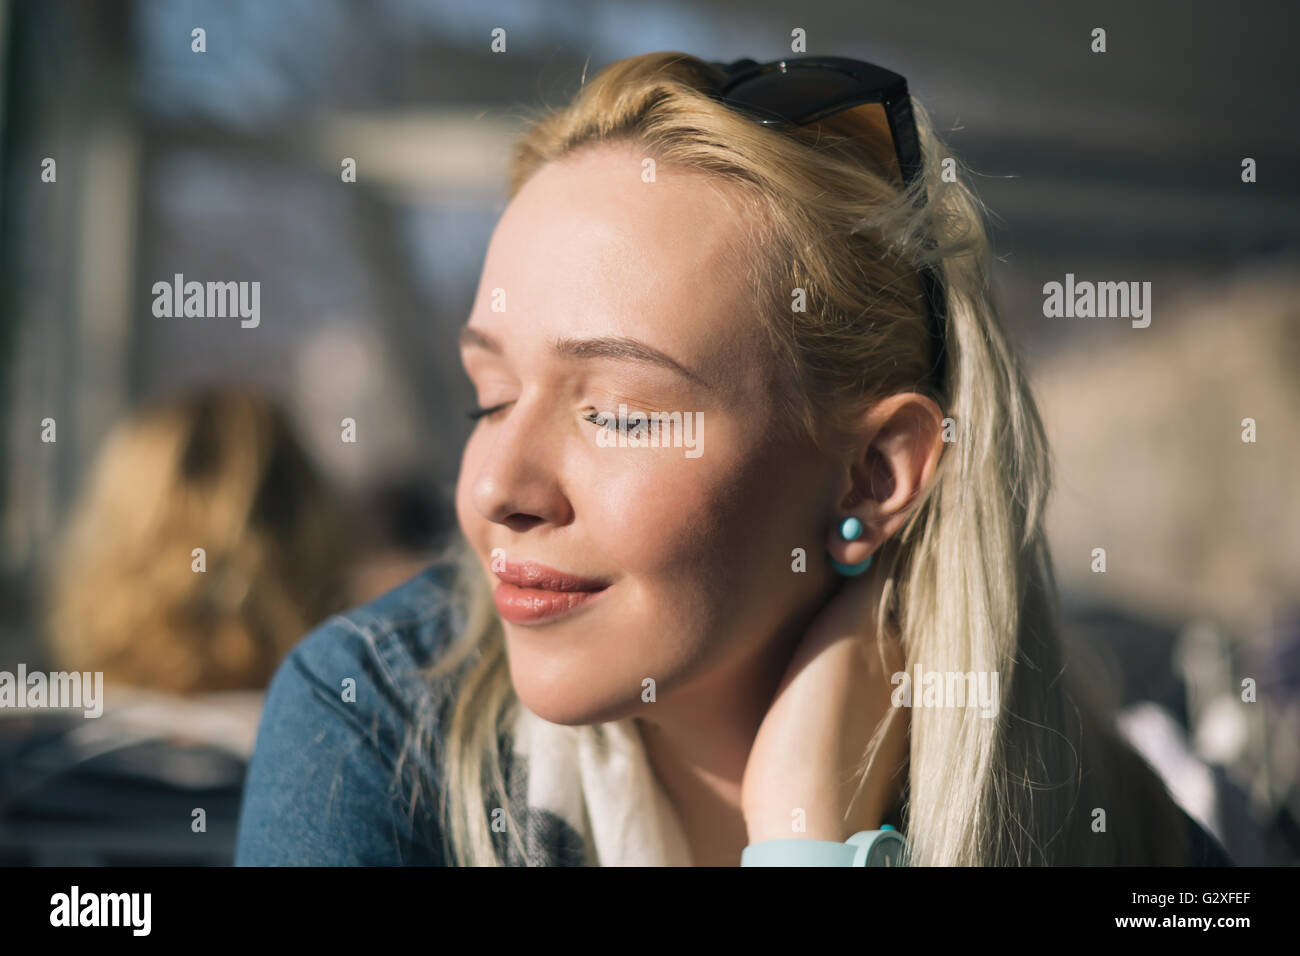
(612, 422)
(477, 412)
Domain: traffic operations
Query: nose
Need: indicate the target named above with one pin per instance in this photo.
(518, 479)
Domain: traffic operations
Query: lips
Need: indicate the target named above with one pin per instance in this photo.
(529, 574)
(532, 593)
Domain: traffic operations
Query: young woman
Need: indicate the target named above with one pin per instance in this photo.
(729, 480)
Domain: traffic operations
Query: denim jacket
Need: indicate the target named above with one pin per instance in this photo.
(323, 787)
(332, 781)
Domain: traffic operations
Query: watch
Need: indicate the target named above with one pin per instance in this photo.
(883, 847)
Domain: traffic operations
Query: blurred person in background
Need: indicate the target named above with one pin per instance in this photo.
(186, 639)
(217, 470)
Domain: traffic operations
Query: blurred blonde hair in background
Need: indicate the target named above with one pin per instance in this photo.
(217, 469)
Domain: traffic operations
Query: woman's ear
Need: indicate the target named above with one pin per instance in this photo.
(900, 442)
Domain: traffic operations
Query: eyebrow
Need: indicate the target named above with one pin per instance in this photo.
(612, 347)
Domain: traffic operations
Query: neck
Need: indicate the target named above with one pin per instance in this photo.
(698, 745)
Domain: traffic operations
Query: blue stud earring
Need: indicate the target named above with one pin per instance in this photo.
(851, 530)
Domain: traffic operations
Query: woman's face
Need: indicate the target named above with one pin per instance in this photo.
(600, 290)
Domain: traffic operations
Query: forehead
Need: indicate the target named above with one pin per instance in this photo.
(588, 247)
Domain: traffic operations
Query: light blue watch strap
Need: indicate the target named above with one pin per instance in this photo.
(883, 847)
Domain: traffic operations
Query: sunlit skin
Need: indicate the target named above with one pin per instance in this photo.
(702, 597)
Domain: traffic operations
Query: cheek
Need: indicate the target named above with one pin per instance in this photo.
(703, 547)
(653, 516)
(724, 532)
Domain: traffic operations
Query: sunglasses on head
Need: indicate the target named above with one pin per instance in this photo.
(795, 92)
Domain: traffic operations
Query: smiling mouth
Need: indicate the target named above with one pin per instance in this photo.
(530, 574)
(531, 593)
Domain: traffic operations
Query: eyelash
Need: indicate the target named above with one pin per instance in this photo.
(611, 422)
(614, 423)
(476, 412)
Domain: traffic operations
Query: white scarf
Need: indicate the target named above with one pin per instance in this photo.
(598, 779)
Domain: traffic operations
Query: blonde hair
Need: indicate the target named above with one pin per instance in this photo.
(968, 582)
(218, 470)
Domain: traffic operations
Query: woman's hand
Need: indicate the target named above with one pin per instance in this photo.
(833, 694)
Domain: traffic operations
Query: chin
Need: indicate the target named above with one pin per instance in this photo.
(575, 700)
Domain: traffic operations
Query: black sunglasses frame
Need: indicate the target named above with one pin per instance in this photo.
(873, 85)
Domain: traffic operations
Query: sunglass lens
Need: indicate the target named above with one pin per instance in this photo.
(794, 96)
